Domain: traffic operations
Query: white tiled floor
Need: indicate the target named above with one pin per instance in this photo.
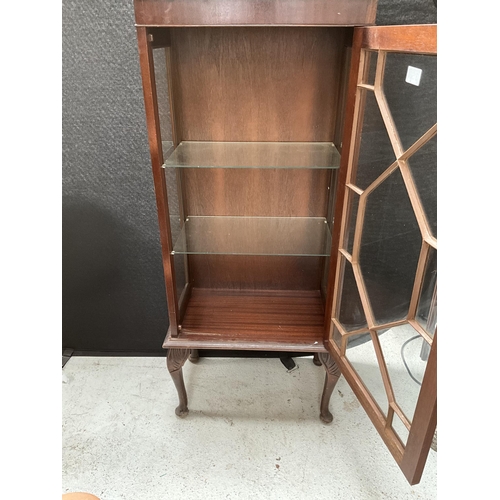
(253, 431)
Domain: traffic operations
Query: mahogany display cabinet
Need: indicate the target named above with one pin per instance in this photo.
(293, 148)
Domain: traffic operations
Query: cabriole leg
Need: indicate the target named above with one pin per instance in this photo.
(194, 357)
(175, 361)
(332, 376)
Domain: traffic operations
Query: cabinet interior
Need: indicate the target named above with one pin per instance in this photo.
(255, 116)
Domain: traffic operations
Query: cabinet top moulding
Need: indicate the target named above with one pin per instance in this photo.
(178, 13)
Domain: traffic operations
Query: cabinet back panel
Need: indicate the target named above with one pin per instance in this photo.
(256, 84)
(256, 192)
(240, 272)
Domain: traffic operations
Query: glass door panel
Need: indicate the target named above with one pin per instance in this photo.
(384, 311)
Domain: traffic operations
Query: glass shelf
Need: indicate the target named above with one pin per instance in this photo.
(298, 236)
(308, 155)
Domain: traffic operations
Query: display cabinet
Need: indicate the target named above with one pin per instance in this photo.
(293, 149)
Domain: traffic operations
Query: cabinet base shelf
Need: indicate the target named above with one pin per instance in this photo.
(261, 320)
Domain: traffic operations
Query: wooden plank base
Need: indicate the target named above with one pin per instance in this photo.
(277, 320)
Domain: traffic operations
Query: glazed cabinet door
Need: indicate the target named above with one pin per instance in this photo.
(384, 258)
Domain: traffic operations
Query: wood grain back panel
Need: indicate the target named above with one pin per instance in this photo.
(256, 84)
(257, 192)
(239, 272)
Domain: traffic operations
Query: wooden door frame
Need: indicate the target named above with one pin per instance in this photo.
(417, 39)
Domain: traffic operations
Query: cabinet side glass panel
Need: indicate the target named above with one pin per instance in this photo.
(172, 177)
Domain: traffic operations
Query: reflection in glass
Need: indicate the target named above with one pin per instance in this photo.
(371, 57)
(402, 346)
(427, 304)
(423, 166)
(351, 314)
(390, 248)
(400, 429)
(375, 152)
(353, 204)
(180, 274)
(413, 107)
(162, 95)
(206, 154)
(364, 360)
(254, 236)
(337, 336)
(176, 223)
(171, 178)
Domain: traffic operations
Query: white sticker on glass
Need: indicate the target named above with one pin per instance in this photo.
(413, 75)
